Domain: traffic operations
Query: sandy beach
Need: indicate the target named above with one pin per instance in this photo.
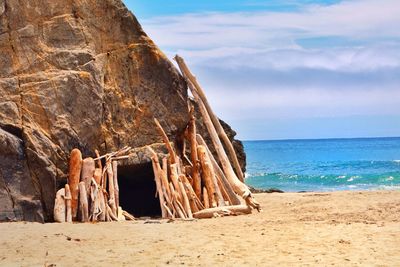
(339, 228)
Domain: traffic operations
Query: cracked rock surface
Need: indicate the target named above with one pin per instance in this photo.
(75, 73)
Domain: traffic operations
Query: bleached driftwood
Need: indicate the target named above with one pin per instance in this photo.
(158, 180)
(87, 173)
(68, 215)
(97, 175)
(222, 211)
(233, 197)
(83, 203)
(98, 160)
(75, 166)
(116, 185)
(95, 207)
(171, 151)
(219, 129)
(59, 206)
(102, 205)
(206, 200)
(186, 203)
(128, 216)
(111, 188)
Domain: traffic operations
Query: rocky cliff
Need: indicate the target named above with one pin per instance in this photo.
(75, 73)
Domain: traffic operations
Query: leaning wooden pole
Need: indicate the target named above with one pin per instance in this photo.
(171, 151)
(158, 180)
(193, 155)
(239, 187)
(220, 174)
(221, 132)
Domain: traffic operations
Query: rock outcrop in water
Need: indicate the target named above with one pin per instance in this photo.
(75, 74)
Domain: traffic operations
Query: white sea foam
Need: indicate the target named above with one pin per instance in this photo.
(396, 160)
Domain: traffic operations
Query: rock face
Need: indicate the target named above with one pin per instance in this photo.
(75, 74)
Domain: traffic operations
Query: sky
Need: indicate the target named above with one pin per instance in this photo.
(288, 69)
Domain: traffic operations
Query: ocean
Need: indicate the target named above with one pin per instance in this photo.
(324, 164)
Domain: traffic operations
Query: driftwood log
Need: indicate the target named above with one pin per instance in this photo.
(75, 166)
(97, 175)
(83, 202)
(158, 180)
(222, 211)
(116, 185)
(233, 197)
(68, 215)
(88, 168)
(59, 206)
(171, 151)
(111, 188)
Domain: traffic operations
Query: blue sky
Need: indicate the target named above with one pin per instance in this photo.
(288, 69)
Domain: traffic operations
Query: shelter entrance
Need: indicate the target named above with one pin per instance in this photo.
(137, 190)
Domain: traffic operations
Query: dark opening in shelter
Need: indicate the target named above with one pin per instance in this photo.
(137, 190)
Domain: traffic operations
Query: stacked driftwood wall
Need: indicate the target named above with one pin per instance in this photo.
(193, 184)
(92, 191)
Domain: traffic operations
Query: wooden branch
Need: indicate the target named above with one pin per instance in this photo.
(83, 202)
(87, 173)
(111, 213)
(193, 155)
(75, 166)
(59, 206)
(206, 161)
(97, 175)
(68, 198)
(219, 129)
(115, 154)
(121, 157)
(158, 178)
(175, 202)
(95, 207)
(116, 185)
(190, 193)
(174, 179)
(222, 211)
(102, 206)
(128, 216)
(99, 165)
(111, 188)
(206, 200)
(164, 176)
(186, 203)
(166, 141)
(234, 199)
(207, 175)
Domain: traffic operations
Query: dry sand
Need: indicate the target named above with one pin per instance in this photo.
(317, 229)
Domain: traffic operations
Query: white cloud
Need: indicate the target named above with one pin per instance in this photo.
(257, 65)
(352, 19)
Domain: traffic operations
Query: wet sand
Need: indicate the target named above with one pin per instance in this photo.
(311, 229)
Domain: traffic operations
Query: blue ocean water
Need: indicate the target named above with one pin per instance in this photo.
(324, 165)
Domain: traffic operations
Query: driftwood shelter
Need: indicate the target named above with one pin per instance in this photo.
(187, 183)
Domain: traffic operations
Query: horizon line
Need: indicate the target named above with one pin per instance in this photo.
(314, 139)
